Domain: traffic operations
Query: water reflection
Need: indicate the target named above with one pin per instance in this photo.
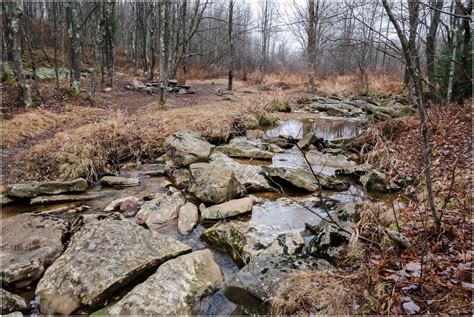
(327, 128)
(281, 216)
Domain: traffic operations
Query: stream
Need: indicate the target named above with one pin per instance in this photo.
(273, 210)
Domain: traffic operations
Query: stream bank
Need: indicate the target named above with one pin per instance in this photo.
(287, 204)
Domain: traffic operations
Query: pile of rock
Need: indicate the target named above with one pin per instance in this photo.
(356, 107)
(154, 87)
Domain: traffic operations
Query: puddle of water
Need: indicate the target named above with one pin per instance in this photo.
(328, 128)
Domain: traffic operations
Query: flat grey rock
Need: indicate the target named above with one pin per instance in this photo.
(102, 257)
(32, 189)
(175, 289)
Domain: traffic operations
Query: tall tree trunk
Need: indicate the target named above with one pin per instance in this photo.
(431, 43)
(55, 39)
(95, 55)
(466, 80)
(413, 12)
(411, 56)
(109, 40)
(231, 44)
(15, 9)
(453, 51)
(164, 48)
(27, 29)
(311, 49)
(72, 22)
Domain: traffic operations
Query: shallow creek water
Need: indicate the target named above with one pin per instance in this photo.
(274, 212)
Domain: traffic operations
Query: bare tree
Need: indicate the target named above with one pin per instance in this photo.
(108, 11)
(75, 54)
(313, 9)
(431, 42)
(231, 45)
(411, 56)
(164, 47)
(14, 12)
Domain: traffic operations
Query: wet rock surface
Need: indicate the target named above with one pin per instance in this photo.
(52, 199)
(299, 178)
(127, 205)
(188, 217)
(119, 181)
(11, 303)
(250, 176)
(355, 171)
(187, 147)
(244, 241)
(29, 190)
(258, 282)
(304, 179)
(376, 181)
(102, 257)
(327, 164)
(228, 209)
(30, 244)
(244, 149)
(161, 294)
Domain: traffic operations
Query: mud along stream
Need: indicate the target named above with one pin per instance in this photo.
(254, 203)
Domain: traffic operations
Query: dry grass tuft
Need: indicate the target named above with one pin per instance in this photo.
(315, 292)
(93, 150)
(380, 85)
(38, 121)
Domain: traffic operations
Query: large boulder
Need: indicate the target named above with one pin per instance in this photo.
(10, 302)
(29, 245)
(214, 183)
(244, 241)
(188, 217)
(376, 181)
(187, 147)
(228, 209)
(29, 190)
(355, 171)
(327, 163)
(304, 179)
(299, 178)
(160, 210)
(102, 257)
(244, 149)
(257, 283)
(176, 288)
(331, 238)
(250, 176)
